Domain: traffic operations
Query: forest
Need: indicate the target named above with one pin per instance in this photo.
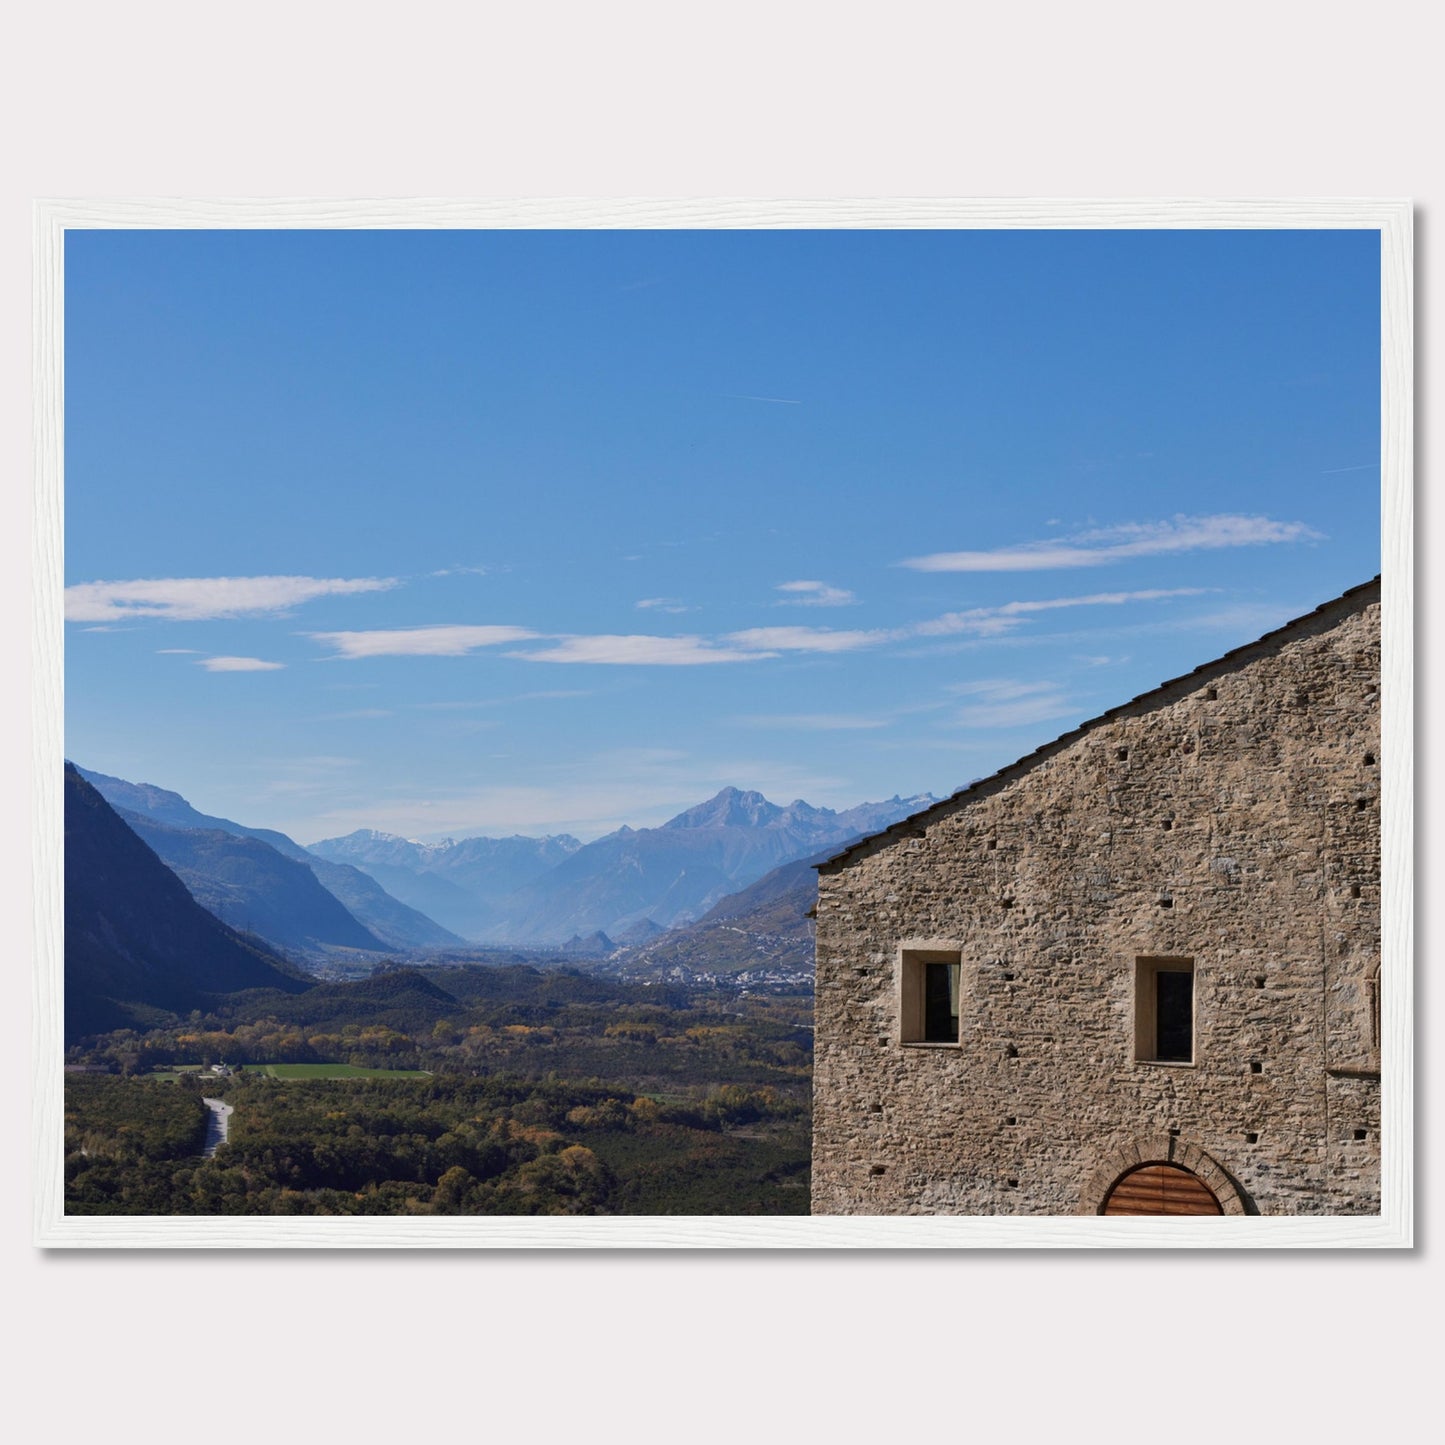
(546, 1091)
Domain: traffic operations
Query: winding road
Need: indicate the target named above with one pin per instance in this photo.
(218, 1126)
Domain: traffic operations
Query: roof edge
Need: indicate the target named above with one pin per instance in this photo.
(1354, 596)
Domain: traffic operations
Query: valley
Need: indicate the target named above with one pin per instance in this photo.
(370, 1059)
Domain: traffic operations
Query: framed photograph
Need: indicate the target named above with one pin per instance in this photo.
(724, 724)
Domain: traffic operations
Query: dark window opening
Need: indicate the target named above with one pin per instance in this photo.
(1360, 1135)
(1369, 760)
(940, 1003)
(1164, 1010)
(1256, 1067)
(1174, 1017)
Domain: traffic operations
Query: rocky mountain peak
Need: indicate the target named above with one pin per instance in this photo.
(729, 808)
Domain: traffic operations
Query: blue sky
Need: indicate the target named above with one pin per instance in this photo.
(492, 532)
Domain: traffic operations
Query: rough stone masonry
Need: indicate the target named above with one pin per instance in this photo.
(1224, 827)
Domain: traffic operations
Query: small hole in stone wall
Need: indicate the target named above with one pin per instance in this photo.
(1007, 902)
(992, 844)
(1259, 983)
(1361, 804)
(875, 1108)
(1361, 1134)
(1122, 755)
(1167, 825)
(1013, 1184)
(1174, 1133)
(1166, 903)
(1008, 978)
(1212, 695)
(861, 972)
(1354, 890)
(1256, 1067)
(1251, 1138)
(876, 1169)
(1012, 1051)
(1012, 1119)
(1369, 760)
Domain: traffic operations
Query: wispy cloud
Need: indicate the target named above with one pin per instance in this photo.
(776, 400)
(460, 571)
(195, 599)
(814, 594)
(1251, 618)
(1008, 702)
(980, 622)
(640, 649)
(807, 639)
(166, 651)
(663, 604)
(748, 645)
(239, 664)
(990, 621)
(444, 641)
(1116, 544)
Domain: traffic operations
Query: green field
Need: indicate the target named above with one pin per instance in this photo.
(333, 1071)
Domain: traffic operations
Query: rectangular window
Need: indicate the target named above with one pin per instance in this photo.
(1164, 1010)
(929, 995)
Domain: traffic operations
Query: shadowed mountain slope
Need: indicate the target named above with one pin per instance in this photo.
(135, 940)
(250, 885)
(765, 925)
(389, 922)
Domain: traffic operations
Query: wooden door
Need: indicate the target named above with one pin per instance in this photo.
(1160, 1189)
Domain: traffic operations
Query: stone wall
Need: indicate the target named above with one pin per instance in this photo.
(1230, 818)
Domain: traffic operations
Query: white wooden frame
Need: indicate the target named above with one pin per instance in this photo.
(1392, 1228)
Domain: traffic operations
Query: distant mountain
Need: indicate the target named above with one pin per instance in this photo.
(675, 873)
(464, 884)
(765, 925)
(136, 942)
(387, 922)
(250, 885)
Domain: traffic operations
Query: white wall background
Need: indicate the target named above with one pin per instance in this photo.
(801, 99)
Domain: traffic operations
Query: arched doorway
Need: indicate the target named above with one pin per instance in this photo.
(1160, 1189)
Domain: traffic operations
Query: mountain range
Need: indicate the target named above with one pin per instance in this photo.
(626, 885)
(465, 885)
(720, 887)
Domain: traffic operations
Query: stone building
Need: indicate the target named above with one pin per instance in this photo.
(1136, 972)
